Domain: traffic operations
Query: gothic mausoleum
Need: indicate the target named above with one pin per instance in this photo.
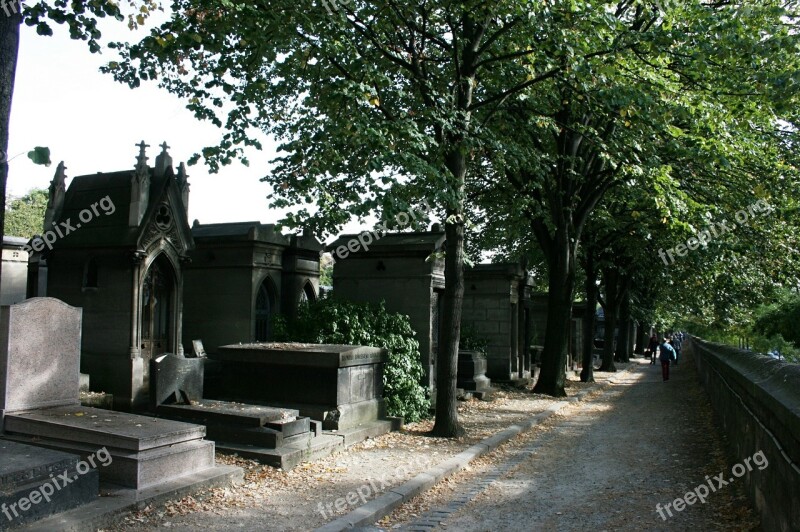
(241, 276)
(115, 245)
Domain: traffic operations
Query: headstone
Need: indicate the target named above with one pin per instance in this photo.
(40, 345)
(175, 379)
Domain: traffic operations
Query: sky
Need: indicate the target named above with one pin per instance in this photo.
(92, 123)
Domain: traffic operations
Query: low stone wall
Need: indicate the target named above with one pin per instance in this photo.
(757, 400)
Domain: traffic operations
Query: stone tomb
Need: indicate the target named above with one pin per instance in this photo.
(40, 342)
(342, 385)
(277, 436)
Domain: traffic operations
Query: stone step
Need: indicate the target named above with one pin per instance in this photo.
(137, 469)
(210, 411)
(289, 455)
(102, 428)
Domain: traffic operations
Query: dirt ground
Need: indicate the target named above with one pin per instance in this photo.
(602, 464)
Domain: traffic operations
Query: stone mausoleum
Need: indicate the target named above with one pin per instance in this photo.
(402, 270)
(115, 244)
(241, 276)
(498, 309)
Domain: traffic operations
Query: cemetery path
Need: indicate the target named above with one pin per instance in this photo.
(599, 464)
(603, 466)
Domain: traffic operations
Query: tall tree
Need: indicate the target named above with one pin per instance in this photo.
(81, 19)
(378, 105)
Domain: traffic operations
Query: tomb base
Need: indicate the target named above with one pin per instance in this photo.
(472, 372)
(144, 451)
(27, 470)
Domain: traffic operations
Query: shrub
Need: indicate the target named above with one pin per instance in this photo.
(333, 321)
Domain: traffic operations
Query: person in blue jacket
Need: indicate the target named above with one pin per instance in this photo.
(667, 354)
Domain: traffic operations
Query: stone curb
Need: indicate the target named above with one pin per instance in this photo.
(386, 503)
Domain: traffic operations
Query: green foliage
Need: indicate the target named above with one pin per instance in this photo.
(776, 342)
(333, 321)
(775, 326)
(471, 341)
(326, 271)
(25, 215)
(780, 319)
(40, 155)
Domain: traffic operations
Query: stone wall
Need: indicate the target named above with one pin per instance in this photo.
(757, 400)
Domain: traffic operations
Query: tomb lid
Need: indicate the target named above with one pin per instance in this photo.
(10, 242)
(301, 354)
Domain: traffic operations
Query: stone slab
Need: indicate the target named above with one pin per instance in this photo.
(99, 428)
(209, 410)
(306, 355)
(287, 456)
(40, 346)
(360, 433)
(83, 489)
(138, 469)
(23, 464)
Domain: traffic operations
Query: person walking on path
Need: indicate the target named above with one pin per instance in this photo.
(676, 344)
(667, 354)
(652, 347)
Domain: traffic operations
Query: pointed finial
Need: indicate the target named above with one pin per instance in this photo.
(183, 177)
(60, 174)
(163, 161)
(141, 160)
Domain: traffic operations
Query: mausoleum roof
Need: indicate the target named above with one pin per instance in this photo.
(412, 241)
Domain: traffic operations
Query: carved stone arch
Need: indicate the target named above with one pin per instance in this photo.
(265, 307)
(307, 293)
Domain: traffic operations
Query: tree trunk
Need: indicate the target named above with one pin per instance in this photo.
(9, 47)
(642, 338)
(624, 345)
(587, 372)
(608, 340)
(561, 277)
(446, 424)
(611, 308)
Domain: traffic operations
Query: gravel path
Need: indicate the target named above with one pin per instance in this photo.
(604, 465)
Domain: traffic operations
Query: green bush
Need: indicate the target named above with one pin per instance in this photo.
(332, 321)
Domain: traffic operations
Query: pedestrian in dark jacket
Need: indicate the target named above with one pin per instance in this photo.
(676, 344)
(667, 355)
(652, 348)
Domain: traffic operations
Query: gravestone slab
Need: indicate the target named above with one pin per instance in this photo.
(40, 346)
(175, 379)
